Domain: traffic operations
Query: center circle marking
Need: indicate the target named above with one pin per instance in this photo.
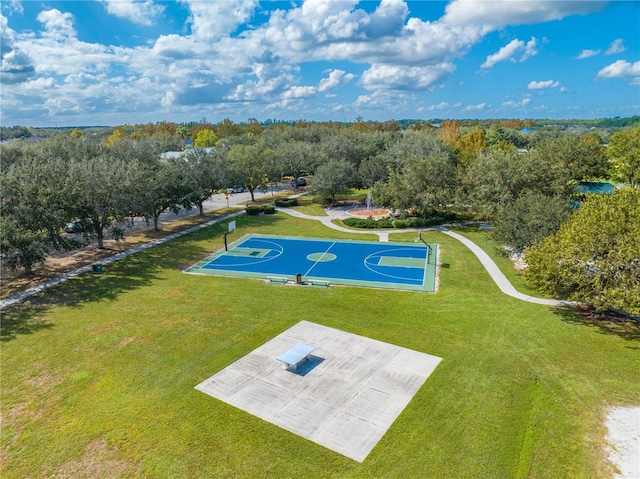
(321, 257)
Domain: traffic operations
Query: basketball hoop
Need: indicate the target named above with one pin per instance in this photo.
(231, 228)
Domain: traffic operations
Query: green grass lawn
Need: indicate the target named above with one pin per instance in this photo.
(98, 374)
(483, 239)
(307, 206)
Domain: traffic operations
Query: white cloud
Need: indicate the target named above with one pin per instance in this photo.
(211, 20)
(509, 51)
(15, 66)
(267, 86)
(336, 78)
(137, 12)
(59, 52)
(440, 106)
(513, 104)
(387, 19)
(321, 30)
(505, 53)
(617, 46)
(587, 54)
(296, 92)
(539, 85)
(497, 13)
(13, 6)
(390, 102)
(41, 85)
(531, 49)
(402, 77)
(478, 107)
(57, 25)
(622, 69)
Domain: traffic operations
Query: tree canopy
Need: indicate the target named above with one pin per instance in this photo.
(624, 156)
(594, 258)
(97, 177)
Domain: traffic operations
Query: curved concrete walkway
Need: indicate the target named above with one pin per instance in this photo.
(498, 276)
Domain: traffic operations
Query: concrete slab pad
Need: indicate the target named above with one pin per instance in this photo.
(304, 416)
(350, 434)
(261, 399)
(375, 407)
(332, 391)
(396, 382)
(345, 398)
(224, 384)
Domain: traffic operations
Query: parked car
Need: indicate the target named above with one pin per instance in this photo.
(300, 182)
(235, 189)
(76, 226)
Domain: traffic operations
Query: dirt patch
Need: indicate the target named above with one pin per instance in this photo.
(98, 460)
(42, 379)
(609, 316)
(59, 263)
(14, 420)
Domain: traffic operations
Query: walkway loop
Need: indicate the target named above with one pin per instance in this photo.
(498, 277)
(492, 268)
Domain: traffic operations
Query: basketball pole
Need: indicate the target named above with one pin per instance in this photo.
(230, 227)
(428, 247)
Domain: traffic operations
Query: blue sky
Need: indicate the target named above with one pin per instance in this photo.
(111, 62)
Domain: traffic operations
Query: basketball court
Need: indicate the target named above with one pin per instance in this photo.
(405, 266)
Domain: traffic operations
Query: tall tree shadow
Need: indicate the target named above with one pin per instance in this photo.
(132, 272)
(606, 323)
(129, 273)
(24, 320)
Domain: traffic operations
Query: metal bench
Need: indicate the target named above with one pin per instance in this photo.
(277, 279)
(296, 355)
(319, 282)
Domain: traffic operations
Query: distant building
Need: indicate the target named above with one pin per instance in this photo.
(188, 151)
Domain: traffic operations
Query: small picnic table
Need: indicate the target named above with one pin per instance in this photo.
(296, 355)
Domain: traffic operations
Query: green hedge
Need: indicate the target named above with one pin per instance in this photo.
(286, 202)
(399, 223)
(254, 210)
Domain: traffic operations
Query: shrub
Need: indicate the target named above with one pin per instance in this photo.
(269, 209)
(398, 223)
(286, 202)
(367, 223)
(254, 210)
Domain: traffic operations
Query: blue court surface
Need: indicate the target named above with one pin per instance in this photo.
(325, 262)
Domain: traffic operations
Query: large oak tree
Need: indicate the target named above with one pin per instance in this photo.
(595, 256)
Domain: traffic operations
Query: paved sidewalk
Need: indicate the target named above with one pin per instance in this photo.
(85, 269)
(337, 213)
(496, 275)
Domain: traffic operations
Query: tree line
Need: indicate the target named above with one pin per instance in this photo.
(524, 181)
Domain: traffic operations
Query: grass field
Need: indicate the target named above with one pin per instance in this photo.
(98, 374)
